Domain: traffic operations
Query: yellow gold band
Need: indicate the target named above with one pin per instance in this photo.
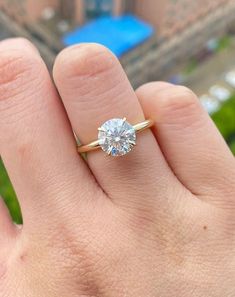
(94, 145)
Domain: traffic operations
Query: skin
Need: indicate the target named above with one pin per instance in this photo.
(158, 222)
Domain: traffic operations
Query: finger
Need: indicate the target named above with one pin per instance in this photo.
(36, 140)
(95, 89)
(191, 143)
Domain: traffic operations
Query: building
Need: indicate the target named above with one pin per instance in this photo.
(167, 16)
(172, 16)
(76, 11)
(182, 27)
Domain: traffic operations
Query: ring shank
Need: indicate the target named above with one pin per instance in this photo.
(94, 145)
(143, 125)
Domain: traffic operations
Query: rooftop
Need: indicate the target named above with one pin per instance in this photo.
(119, 34)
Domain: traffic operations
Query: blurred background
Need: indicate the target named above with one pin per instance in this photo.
(181, 41)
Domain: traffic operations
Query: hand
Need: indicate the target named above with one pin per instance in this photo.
(158, 222)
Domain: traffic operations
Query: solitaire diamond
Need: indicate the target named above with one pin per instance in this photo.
(117, 137)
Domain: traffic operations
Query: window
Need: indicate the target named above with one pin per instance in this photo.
(97, 8)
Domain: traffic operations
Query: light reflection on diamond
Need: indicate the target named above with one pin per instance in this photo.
(116, 137)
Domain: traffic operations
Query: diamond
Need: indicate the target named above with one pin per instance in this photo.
(117, 137)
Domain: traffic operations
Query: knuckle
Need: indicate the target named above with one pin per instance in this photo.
(84, 61)
(177, 99)
(169, 98)
(179, 106)
(20, 43)
(12, 67)
(152, 88)
(187, 94)
(17, 70)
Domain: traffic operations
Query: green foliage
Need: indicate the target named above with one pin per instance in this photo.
(232, 146)
(220, 44)
(8, 194)
(190, 67)
(223, 43)
(225, 119)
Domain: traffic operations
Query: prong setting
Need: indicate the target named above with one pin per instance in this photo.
(132, 142)
(117, 137)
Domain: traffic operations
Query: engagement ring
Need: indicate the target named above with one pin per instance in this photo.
(116, 137)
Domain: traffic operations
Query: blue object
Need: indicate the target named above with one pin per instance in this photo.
(119, 34)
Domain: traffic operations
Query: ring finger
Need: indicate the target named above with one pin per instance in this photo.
(94, 89)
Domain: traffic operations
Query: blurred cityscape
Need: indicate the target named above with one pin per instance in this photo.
(181, 41)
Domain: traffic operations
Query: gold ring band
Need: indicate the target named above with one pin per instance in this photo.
(96, 144)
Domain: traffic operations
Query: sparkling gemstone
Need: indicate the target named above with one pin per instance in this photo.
(116, 137)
